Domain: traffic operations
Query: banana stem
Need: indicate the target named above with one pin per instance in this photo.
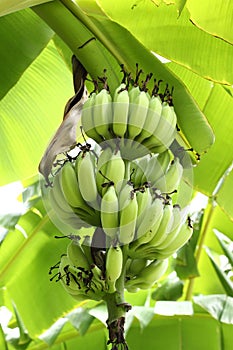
(209, 212)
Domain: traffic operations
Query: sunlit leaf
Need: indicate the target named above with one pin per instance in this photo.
(213, 16)
(24, 339)
(143, 314)
(180, 5)
(3, 342)
(217, 104)
(171, 308)
(51, 334)
(170, 289)
(30, 114)
(225, 243)
(8, 6)
(80, 319)
(30, 38)
(224, 195)
(219, 306)
(185, 263)
(175, 38)
(225, 281)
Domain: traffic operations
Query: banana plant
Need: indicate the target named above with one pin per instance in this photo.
(38, 41)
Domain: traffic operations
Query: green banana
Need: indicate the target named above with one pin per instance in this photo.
(114, 265)
(137, 114)
(153, 214)
(102, 113)
(77, 283)
(166, 129)
(128, 207)
(103, 159)
(120, 111)
(134, 92)
(149, 275)
(115, 170)
(68, 218)
(173, 232)
(87, 180)
(76, 255)
(87, 119)
(182, 237)
(135, 267)
(152, 119)
(139, 175)
(172, 178)
(70, 187)
(160, 235)
(59, 195)
(144, 200)
(110, 168)
(109, 212)
(157, 167)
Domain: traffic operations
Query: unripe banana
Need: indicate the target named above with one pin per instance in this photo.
(153, 214)
(87, 180)
(152, 118)
(69, 218)
(76, 255)
(115, 170)
(77, 283)
(140, 243)
(157, 167)
(128, 215)
(109, 212)
(99, 284)
(59, 195)
(182, 237)
(102, 113)
(174, 229)
(68, 283)
(136, 266)
(160, 235)
(102, 162)
(114, 265)
(134, 92)
(149, 275)
(137, 114)
(70, 187)
(172, 178)
(166, 129)
(87, 119)
(139, 176)
(144, 200)
(120, 111)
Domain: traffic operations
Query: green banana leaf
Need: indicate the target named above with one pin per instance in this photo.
(213, 17)
(31, 111)
(8, 6)
(224, 195)
(175, 38)
(30, 37)
(225, 244)
(224, 279)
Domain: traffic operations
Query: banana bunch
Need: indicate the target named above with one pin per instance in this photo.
(143, 273)
(138, 121)
(172, 233)
(79, 276)
(74, 195)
